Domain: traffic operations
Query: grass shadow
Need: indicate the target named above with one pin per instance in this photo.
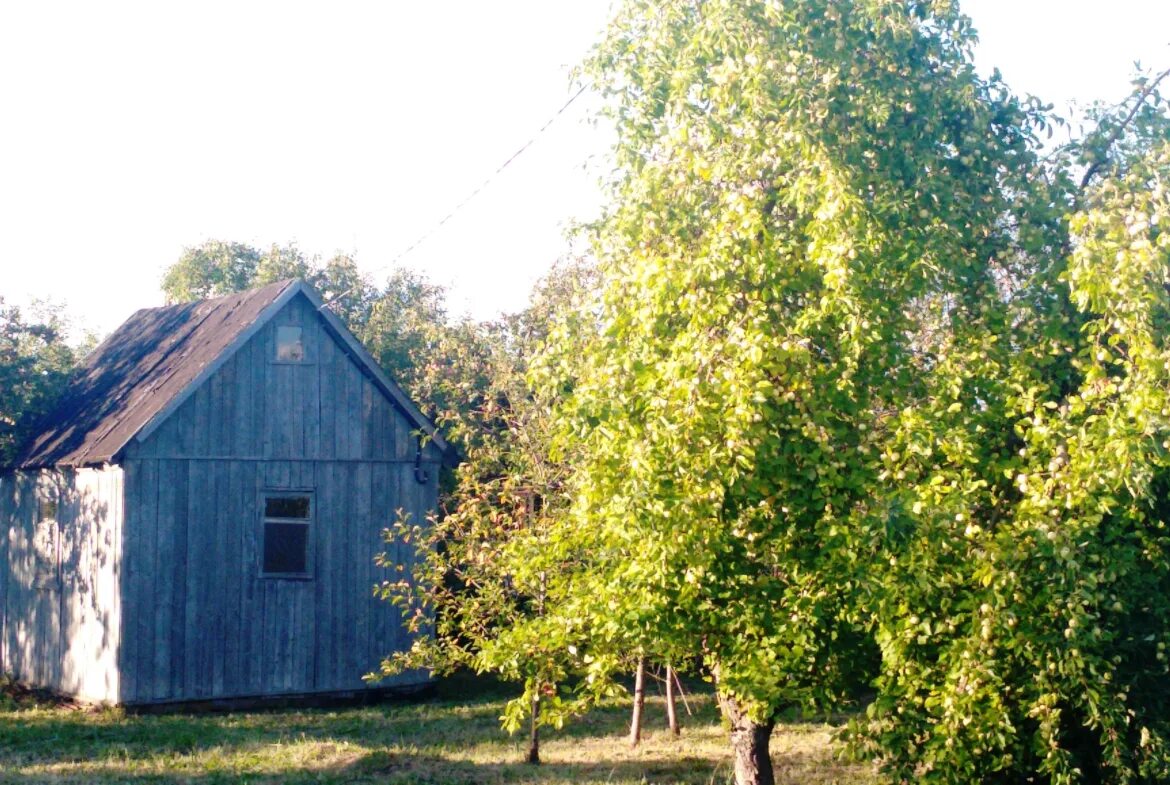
(452, 737)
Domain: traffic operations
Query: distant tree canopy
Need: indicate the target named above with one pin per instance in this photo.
(217, 268)
(35, 362)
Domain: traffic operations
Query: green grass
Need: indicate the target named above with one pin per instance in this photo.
(452, 738)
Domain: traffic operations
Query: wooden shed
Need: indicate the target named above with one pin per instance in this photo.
(199, 518)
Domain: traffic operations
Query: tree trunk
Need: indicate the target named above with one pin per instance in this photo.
(534, 731)
(639, 702)
(749, 742)
(671, 714)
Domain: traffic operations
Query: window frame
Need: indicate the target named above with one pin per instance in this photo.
(275, 359)
(308, 522)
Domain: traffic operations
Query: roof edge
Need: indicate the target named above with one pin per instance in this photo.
(362, 356)
(228, 352)
(337, 328)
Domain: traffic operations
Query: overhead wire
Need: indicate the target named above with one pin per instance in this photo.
(463, 203)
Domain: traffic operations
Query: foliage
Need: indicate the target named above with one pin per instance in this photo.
(212, 269)
(35, 362)
(876, 390)
(797, 182)
(217, 268)
(482, 575)
(858, 373)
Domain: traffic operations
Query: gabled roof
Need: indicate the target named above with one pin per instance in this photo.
(151, 364)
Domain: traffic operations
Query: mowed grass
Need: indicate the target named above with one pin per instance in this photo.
(451, 738)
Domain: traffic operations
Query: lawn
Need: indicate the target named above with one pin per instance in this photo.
(453, 737)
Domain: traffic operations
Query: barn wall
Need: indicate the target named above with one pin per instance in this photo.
(61, 621)
(200, 622)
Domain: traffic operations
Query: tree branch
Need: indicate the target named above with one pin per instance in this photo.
(1120, 129)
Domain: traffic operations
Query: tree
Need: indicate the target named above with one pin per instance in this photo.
(1023, 617)
(35, 362)
(212, 269)
(798, 185)
(216, 268)
(410, 333)
(487, 579)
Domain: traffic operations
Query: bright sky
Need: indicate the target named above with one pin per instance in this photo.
(130, 130)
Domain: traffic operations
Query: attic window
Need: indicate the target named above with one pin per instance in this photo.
(286, 529)
(290, 347)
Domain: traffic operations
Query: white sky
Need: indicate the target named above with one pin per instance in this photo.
(130, 130)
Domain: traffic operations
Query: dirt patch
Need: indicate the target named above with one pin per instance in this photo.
(15, 696)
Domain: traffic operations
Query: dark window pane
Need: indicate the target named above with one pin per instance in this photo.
(289, 347)
(286, 548)
(286, 507)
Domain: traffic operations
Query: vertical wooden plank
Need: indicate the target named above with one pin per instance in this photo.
(327, 398)
(201, 438)
(299, 379)
(175, 574)
(334, 539)
(405, 441)
(217, 596)
(311, 405)
(345, 577)
(379, 519)
(361, 554)
(263, 350)
(394, 424)
(250, 420)
(223, 401)
(342, 416)
(275, 476)
(307, 631)
(389, 431)
(326, 599)
(125, 641)
(242, 444)
(162, 608)
(194, 655)
(254, 614)
(140, 559)
(78, 631)
(113, 587)
(232, 590)
(77, 532)
(30, 654)
(274, 404)
(402, 554)
(367, 427)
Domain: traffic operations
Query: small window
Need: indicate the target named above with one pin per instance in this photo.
(287, 518)
(290, 346)
(45, 543)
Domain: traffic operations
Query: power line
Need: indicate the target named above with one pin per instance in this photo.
(422, 238)
(478, 189)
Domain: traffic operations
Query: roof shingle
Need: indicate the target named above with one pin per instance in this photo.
(137, 371)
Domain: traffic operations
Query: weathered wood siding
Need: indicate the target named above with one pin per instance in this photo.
(200, 622)
(61, 629)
